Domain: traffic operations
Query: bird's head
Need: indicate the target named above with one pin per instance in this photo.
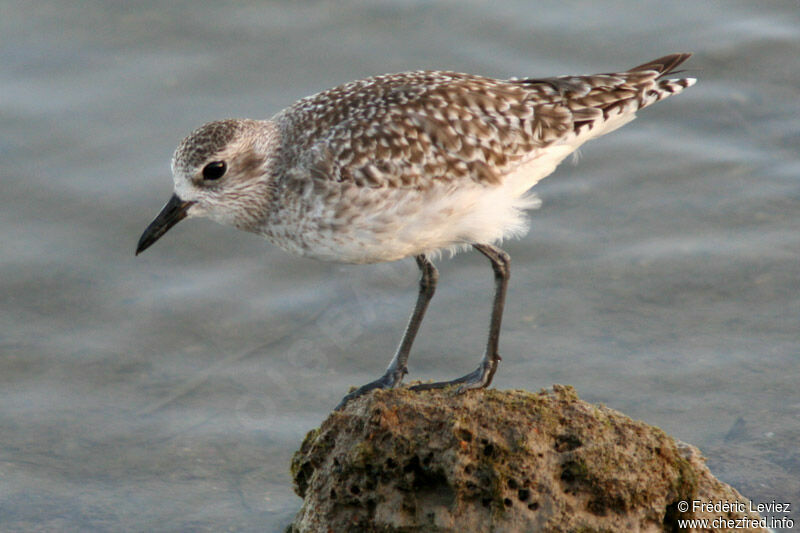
(220, 171)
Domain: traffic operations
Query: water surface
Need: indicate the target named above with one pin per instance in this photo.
(167, 392)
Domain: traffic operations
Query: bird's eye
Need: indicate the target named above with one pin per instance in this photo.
(214, 170)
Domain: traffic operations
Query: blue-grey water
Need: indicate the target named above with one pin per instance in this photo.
(167, 392)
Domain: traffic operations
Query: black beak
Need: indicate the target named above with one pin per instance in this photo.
(171, 214)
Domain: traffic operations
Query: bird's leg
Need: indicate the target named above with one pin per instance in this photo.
(482, 376)
(397, 367)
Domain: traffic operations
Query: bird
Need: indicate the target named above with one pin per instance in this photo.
(404, 165)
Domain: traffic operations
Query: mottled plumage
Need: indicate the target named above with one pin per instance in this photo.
(403, 165)
(414, 129)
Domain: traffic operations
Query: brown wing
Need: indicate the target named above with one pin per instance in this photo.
(401, 130)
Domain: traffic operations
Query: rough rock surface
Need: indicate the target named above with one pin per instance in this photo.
(496, 461)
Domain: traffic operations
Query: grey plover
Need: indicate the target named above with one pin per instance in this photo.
(404, 165)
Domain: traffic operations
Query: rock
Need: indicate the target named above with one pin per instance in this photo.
(504, 461)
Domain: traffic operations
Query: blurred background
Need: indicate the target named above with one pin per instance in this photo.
(168, 392)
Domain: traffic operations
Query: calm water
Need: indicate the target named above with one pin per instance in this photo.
(167, 392)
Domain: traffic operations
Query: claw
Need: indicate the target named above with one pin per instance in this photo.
(387, 381)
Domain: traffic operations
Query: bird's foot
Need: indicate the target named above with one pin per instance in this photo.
(479, 378)
(389, 380)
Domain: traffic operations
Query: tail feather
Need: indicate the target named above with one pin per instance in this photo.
(571, 110)
(663, 65)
